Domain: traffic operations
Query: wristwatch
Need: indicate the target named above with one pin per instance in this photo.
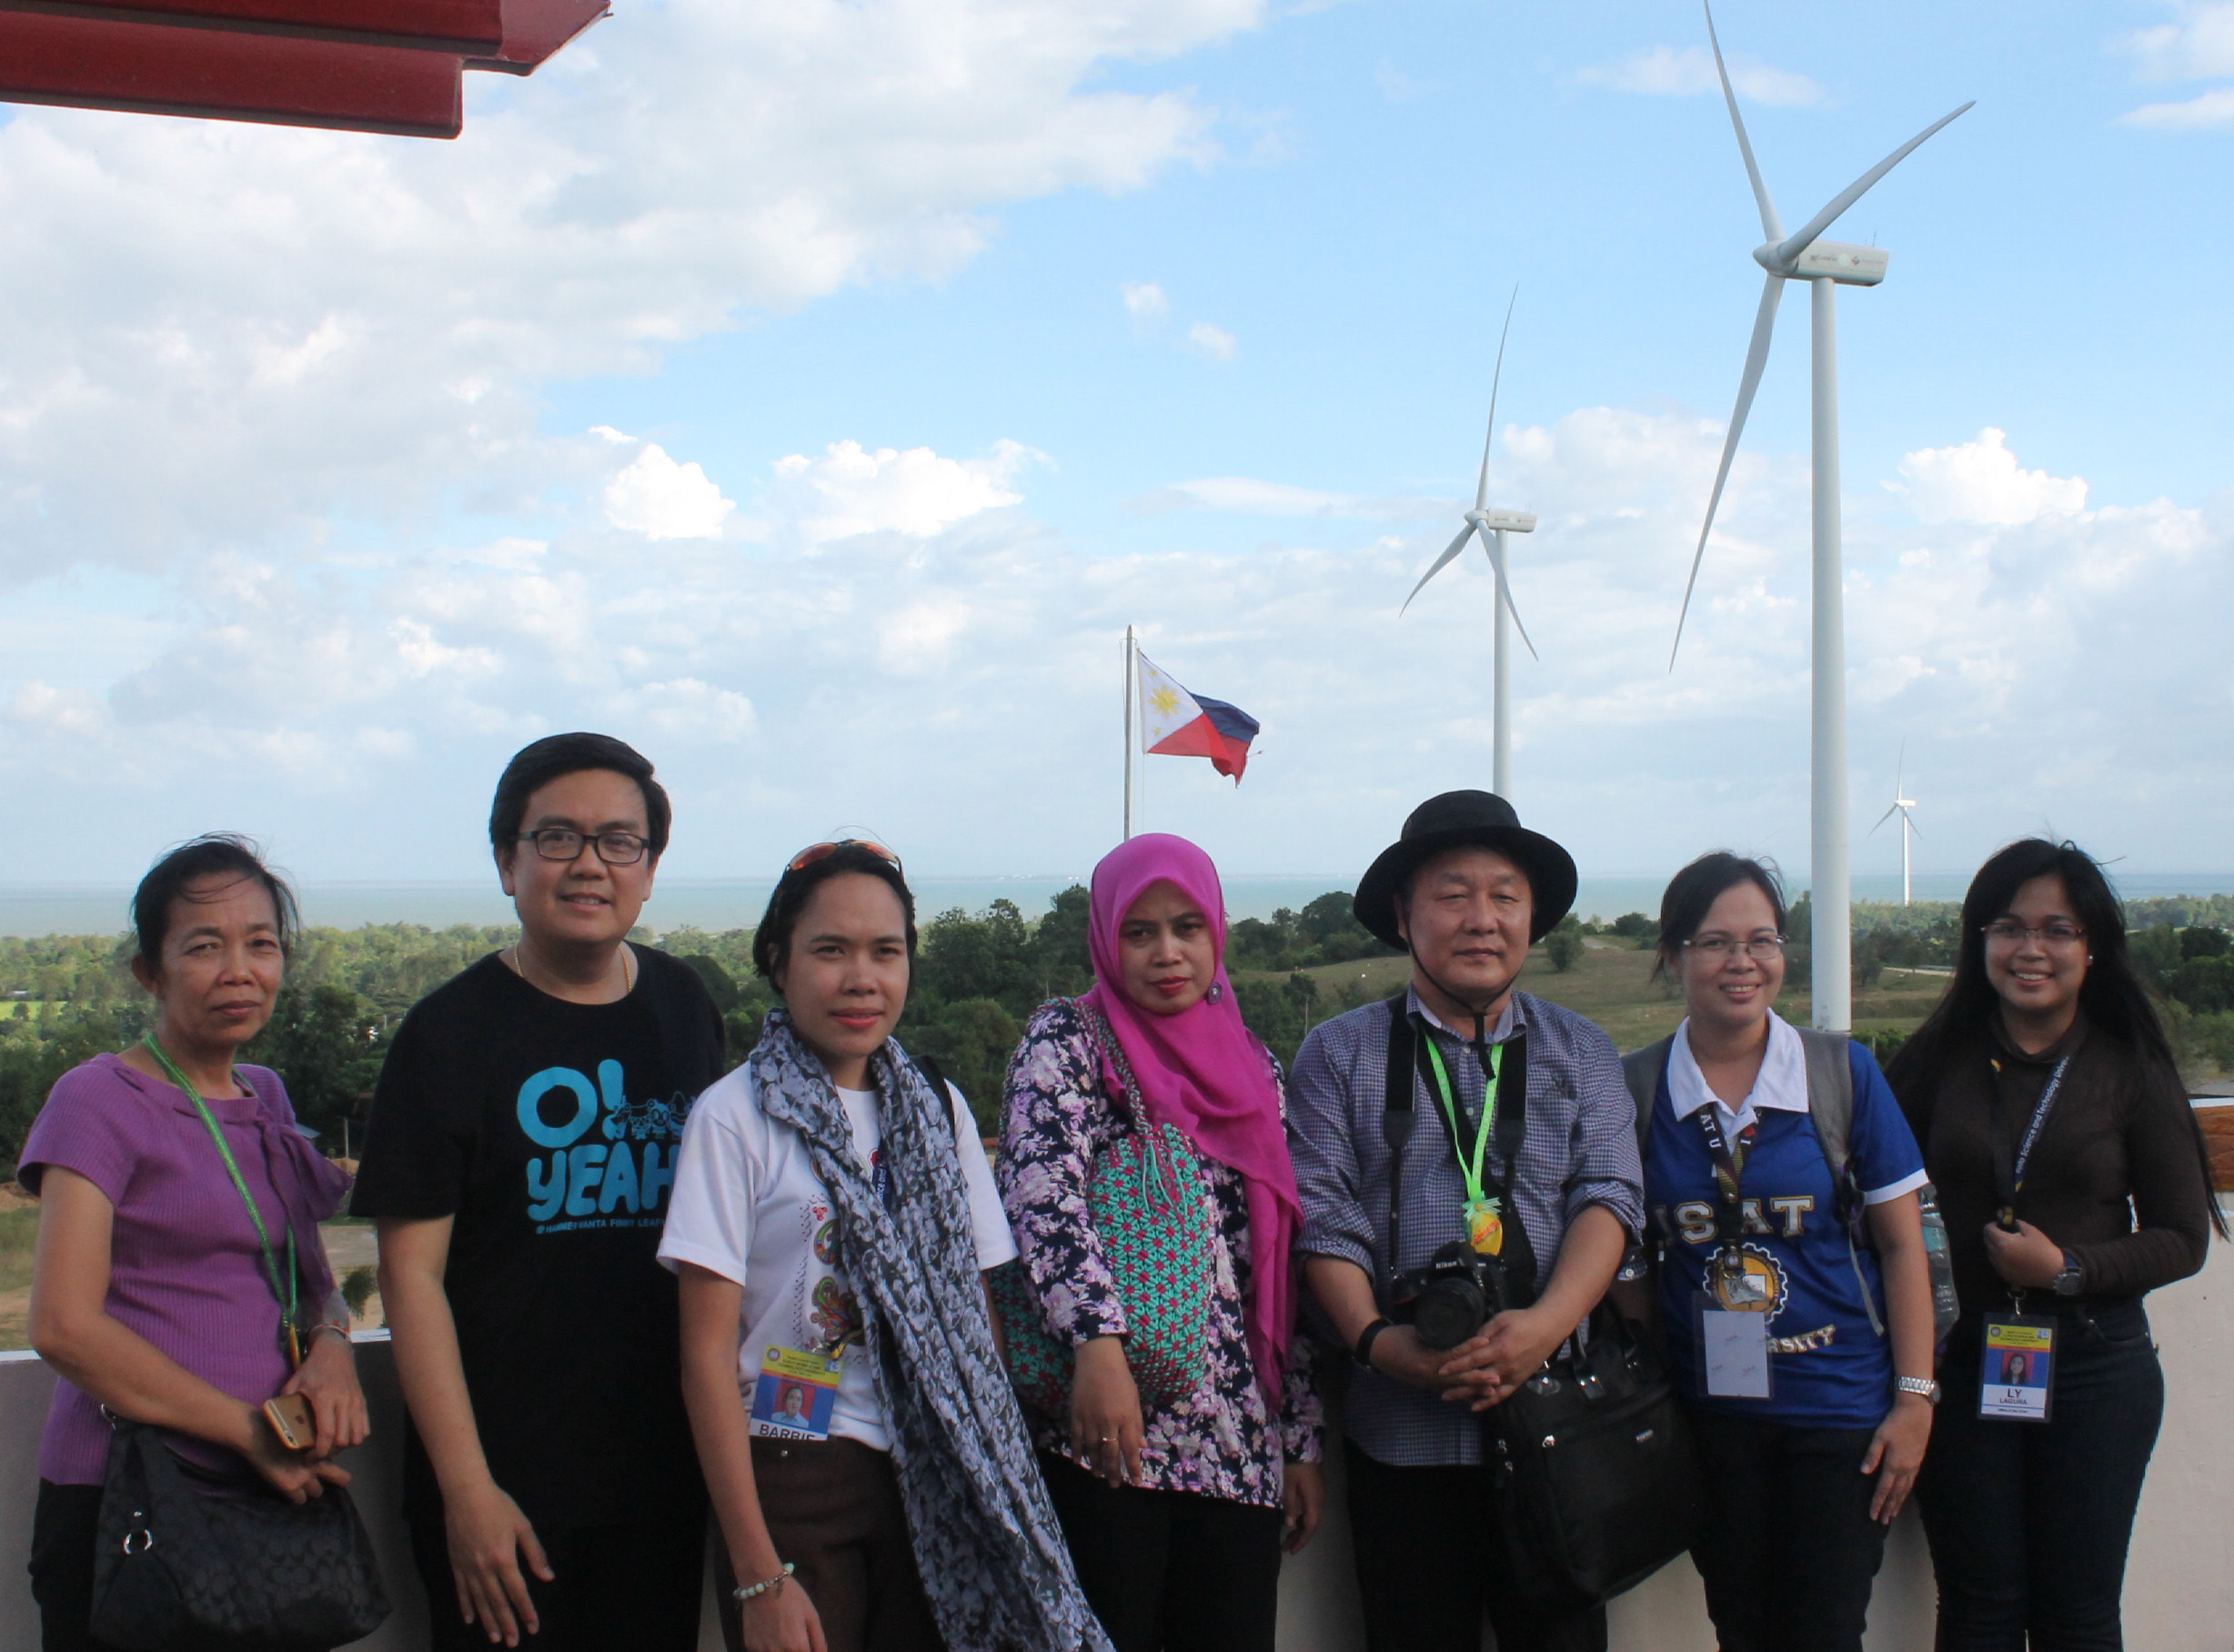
(2066, 1282)
(1922, 1386)
(1362, 1352)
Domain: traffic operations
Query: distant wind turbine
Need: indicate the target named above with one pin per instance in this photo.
(1825, 265)
(1902, 804)
(1492, 526)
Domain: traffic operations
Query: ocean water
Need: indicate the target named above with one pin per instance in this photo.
(92, 910)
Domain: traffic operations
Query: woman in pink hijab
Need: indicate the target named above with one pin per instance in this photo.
(1176, 1512)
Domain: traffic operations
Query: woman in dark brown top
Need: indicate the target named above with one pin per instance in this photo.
(2047, 1035)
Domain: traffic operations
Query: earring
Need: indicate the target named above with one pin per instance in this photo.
(1216, 992)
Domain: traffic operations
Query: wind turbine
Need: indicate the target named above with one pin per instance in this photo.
(1825, 265)
(1901, 806)
(1492, 526)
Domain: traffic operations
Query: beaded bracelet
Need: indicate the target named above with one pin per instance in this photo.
(742, 1595)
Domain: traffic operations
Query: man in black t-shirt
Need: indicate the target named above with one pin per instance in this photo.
(518, 1161)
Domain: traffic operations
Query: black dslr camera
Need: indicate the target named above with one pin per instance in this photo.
(1451, 1298)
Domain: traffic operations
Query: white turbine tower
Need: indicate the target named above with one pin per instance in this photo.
(1492, 526)
(1825, 265)
(1902, 805)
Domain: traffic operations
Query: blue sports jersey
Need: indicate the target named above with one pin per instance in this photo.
(1830, 1369)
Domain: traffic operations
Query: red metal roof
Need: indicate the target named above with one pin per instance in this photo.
(361, 66)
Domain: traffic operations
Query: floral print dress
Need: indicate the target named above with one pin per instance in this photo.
(1220, 1441)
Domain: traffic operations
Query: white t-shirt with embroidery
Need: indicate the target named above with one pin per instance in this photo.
(746, 1205)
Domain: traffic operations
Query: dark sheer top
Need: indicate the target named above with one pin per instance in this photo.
(2114, 1177)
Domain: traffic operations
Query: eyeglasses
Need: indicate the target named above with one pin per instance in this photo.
(822, 851)
(565, 843)
(1720, 948)
(2009, 932)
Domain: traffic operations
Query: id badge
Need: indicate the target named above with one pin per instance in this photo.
(796, 1394)
(2017, 1382)
(1484, 1226)
(1733, 1349)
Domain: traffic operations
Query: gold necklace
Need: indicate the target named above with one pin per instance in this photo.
(628, 967)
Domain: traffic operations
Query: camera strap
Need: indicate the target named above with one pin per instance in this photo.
(1504, 1119)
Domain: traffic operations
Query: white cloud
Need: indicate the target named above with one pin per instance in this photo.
(2199, 46)
(1670, 71)
(661, 499)
(958, 687)
(851, 490)
(304, 324)
(1980, 481)
(1145, 303)
(2205, 112)
(1214, 342)
(1249, 496)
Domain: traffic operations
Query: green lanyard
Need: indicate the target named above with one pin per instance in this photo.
(287, 1299)
(1471, 1172)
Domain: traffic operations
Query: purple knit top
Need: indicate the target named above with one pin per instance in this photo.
(184, 1269)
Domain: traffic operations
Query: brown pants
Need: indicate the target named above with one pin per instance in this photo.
(833, 1509)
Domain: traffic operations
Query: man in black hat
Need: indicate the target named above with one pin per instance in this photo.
(1554, 1197)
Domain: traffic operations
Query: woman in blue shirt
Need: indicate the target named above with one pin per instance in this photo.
(1797, 1311)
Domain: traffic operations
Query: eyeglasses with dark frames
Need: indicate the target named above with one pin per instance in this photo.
(1760, 948)
(2009, 932)
(565, 843)
(822, 851)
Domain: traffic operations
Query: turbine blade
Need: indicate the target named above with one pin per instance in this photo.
(1854, 192)
(1442, 562)
(1887, 815)
(1772, 226)
(1481, 487)
(1756, 359)
(1910, 818)
(1504, 590)
(1900, 770)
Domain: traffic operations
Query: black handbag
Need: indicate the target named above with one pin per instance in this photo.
(1595, 1477)
(231, 1564)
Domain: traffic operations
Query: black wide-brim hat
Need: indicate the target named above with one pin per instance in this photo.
(1453, 821)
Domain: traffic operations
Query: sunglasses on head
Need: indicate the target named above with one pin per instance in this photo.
(822, 851)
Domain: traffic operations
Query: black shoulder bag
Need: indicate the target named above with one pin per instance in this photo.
(231, 1564)
(1594, 1481)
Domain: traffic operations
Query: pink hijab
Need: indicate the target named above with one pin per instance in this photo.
(1204, 1072)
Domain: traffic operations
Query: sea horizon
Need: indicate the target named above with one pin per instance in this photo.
(30, 910)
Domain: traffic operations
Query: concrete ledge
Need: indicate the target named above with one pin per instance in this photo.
(2179, 1588)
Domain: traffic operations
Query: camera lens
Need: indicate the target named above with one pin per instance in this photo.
(1449, 1311)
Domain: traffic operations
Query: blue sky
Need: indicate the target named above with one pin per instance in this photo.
(332, 468)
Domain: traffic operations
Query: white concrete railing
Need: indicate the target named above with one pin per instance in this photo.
(2180, 1588)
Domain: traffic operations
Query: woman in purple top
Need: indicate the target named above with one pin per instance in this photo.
(150, 1295)
(1175, 1513)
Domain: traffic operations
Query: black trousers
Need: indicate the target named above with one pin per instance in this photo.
(62, 1532)
(1428, 1566)
(1169, 1570)
(2030, 1522)
(634, 1585)
(1790, 1554)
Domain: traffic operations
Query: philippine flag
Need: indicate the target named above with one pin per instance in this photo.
(1175, 723)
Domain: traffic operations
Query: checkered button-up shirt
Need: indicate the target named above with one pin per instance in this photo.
(1580, 1150)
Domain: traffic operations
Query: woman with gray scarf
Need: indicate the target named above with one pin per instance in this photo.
(832, 1216)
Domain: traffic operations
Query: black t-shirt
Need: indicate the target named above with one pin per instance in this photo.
(549, 1130)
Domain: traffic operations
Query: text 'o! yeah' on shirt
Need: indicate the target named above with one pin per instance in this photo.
(1830, 1368)
(547, 1131)
(748, 1206)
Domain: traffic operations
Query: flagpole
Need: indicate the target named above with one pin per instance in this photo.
(1130, 669)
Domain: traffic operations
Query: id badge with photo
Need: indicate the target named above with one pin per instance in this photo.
(1733, 1349)
(1484, 1226)
(2018, 1382)
(795, 1392)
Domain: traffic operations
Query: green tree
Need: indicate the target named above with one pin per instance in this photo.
(1564, 948)
(327, 1043)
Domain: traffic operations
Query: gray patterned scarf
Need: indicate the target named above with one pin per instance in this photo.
(992, 1559)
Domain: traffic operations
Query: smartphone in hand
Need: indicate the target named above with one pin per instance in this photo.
(291, 1419)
